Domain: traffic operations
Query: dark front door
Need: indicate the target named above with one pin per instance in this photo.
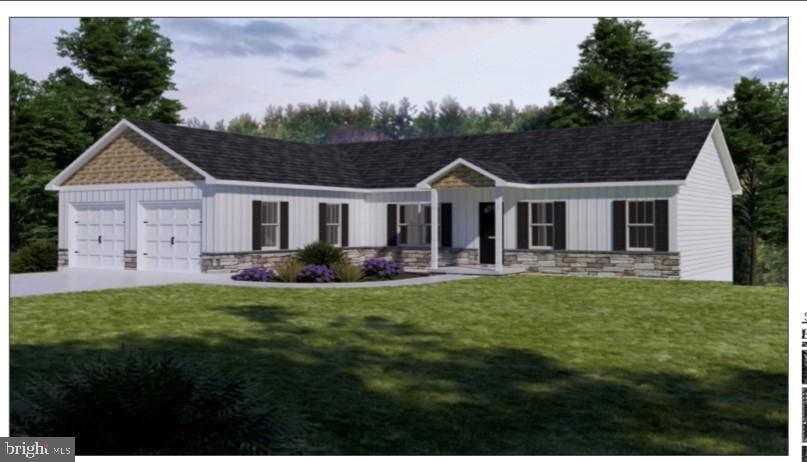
(487, 232)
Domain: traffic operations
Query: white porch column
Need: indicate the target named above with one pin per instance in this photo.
(499, 211)
(435, 237)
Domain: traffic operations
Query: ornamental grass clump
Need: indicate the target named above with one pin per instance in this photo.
(254, 274)
(288, 270)
(316, 273)
(380, 268)
(347, 272)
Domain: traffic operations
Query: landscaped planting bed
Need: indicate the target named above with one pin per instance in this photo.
(323, 263)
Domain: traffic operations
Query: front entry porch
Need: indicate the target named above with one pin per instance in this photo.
(485, 231)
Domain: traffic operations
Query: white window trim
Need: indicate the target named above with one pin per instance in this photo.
(530, 225)
(628, 225)
(276, 224)
(338, 224)
(420, 224)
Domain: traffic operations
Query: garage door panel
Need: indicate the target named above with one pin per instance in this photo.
(151, 231)
(165, 214)
(195, 233)
(98, 233)
(172, 238)
(181, 232)
(165, 248)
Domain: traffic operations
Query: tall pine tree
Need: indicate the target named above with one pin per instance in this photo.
(622, 77)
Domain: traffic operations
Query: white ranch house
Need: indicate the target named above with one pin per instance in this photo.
(642, 200)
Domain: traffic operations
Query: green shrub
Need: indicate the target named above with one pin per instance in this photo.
(130, 403)
(288, 270)
(320, 253)
(347, 272)
(36, 256)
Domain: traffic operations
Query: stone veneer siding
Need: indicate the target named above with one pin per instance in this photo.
(130, 158)
(130, 259)
(408, 257)
(62, 257)
(663, 265)
(659, 265)
(237, 261)
(462, 177)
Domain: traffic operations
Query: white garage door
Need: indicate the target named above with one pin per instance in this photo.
(170, 237)
(98, 234)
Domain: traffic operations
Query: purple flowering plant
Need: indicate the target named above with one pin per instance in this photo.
(316, 273)
(254, 274)
(378, 267)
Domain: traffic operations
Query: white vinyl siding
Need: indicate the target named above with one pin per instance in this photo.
(233, 232)
(588, 212)
(226, 212)
(704, 220)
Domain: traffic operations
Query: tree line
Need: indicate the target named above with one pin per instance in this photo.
(623, 76)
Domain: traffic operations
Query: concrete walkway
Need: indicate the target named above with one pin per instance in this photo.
(82, 280)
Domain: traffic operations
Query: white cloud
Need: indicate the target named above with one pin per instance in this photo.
(227, 67)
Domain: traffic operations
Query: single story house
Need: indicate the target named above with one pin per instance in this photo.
(645, 200)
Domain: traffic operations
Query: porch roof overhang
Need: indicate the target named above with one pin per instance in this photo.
(426, 183)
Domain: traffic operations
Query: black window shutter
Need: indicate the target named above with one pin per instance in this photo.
(560, 225)
(662, 226)
(392, 225)
(345, 224)
(522, 225)
(445, 224)
(256, 225)
(323, 237)
(284, 225)
(618, 225)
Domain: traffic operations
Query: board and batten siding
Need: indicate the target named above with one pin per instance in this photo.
(376, 212)
(129, 197)
(588, 212)
(704, 219)
(232, 207)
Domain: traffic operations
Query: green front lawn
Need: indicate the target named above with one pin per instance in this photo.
(511, 365)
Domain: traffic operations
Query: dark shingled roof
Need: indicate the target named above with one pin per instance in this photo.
(636, 152)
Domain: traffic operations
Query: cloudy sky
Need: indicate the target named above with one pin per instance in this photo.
(225, 67)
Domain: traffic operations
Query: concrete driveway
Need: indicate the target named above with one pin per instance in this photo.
(81, 280)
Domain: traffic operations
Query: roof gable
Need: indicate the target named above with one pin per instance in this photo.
(130, 158)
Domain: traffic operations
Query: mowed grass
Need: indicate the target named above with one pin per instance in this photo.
(510, 365)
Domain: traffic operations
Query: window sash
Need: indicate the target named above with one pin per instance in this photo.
(640, 218)
(270, 225)
(333, 224)
(414, 224)
(542, 225)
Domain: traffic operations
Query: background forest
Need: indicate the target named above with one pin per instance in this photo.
(622, 76)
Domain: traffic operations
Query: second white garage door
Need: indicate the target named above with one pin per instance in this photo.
(170, 237)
